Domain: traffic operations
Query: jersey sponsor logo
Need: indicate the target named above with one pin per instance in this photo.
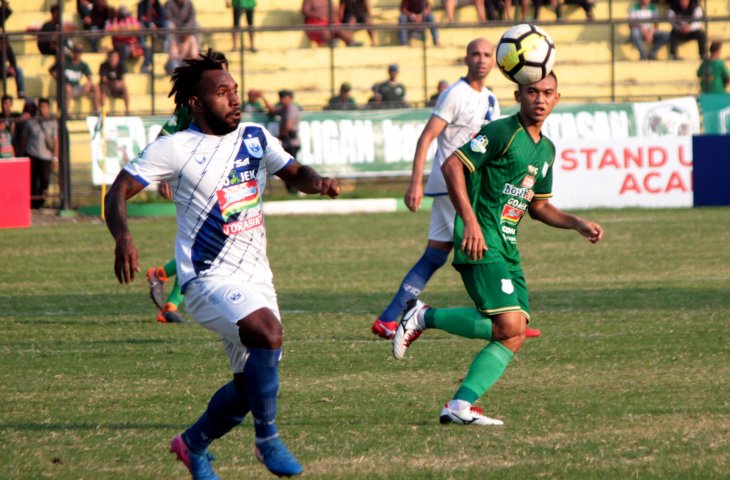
(545, 168)
(517, 204)
(246, 224)
(507, 286)
(253, 145)
(234, 295)
(528, 181)
(512, 214)
(532, 170)
(525, 193)
(237, 198)
(238, 162)
(479, 144)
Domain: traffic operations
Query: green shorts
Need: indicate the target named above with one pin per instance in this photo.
(495, 289)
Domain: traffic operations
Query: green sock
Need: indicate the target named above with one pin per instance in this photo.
(175, 297)
(465, 322)
(484, 371)
(170, 268)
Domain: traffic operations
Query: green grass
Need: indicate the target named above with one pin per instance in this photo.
(631, 378)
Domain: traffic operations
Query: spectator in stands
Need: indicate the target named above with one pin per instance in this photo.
(6, 142)
(713, 72)
(47, 43)
(94, 16)
(343, 100)
(442, 85)
(586, 5)
(390, 93)
(416, 11)
(111, 78)
(289, 115)
(5, 12)
(151, 14)
(506, 9)
(181, 14)
(318, 12)
(41, 145)
(11, 67)
(129, 46)
(239, 7)
(29, 111)
(357, 11)
(7, 115)
(686, 18)
(75, 70)
(646, 31)
(537, 6)
(254, 103)
(450, 9)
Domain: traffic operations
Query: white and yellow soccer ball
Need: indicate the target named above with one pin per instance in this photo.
(525, 54)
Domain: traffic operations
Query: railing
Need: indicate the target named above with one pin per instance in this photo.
(239, 59)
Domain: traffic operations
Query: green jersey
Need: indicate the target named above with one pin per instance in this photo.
(178, 121)
(506, 170)
(713, 75)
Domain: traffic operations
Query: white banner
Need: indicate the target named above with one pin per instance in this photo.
(628, 172)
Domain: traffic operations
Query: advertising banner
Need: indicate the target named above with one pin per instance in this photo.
(382, 142)
(716, 112)
(631, 172)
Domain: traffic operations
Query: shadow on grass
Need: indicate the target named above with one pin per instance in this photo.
(65, 427)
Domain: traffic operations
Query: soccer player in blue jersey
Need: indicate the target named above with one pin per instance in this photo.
(461, 110)
(217, 169)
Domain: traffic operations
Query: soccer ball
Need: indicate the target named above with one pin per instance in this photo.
(525, 54)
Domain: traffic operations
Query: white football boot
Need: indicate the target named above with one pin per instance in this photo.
(410, 328)
(468, 416)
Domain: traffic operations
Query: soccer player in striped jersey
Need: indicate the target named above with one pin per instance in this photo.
(493, 180)
(158, 276)
(217, 169)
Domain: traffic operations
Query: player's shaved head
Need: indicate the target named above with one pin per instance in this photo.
(479, 43)
(479, 59)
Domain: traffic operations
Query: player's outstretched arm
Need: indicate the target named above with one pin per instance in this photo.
(414, 194)
(472, 243)
(126, 259)
(548, 214)
(307, 180)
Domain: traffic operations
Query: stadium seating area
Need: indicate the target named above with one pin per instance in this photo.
(286, 59)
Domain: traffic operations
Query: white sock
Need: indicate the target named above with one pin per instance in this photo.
(459, 405)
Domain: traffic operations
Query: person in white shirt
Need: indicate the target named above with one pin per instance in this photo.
(217, 170)
(460, 112)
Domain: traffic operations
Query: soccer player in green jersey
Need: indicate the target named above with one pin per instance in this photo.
(502, 173)
(158, 276)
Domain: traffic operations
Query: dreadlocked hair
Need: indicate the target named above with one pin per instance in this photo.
(186, 77)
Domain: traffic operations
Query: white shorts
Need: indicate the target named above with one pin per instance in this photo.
(443, 214)
(218, 303)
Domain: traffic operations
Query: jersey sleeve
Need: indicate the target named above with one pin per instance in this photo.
(155, 163)
(544, 185)
(446, 106)
(275, 157)
(486, 146)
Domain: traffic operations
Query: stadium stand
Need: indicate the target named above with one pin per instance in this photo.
(286, 59)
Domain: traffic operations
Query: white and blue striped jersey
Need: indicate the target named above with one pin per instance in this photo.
(465, 111)
(218, 182)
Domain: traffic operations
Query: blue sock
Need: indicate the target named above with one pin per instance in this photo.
(415, 281)
(226, 410)
(261, 377)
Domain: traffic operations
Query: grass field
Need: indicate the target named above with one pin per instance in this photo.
(631, 378)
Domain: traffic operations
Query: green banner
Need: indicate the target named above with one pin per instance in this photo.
(716, 112)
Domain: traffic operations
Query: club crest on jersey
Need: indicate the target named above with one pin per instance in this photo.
(507, 286)
(234, 295)
(532, 170)
(528, 181)
(237, 198)
(253, 145)
(479, 144)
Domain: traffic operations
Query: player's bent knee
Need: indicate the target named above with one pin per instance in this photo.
(260, 329)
